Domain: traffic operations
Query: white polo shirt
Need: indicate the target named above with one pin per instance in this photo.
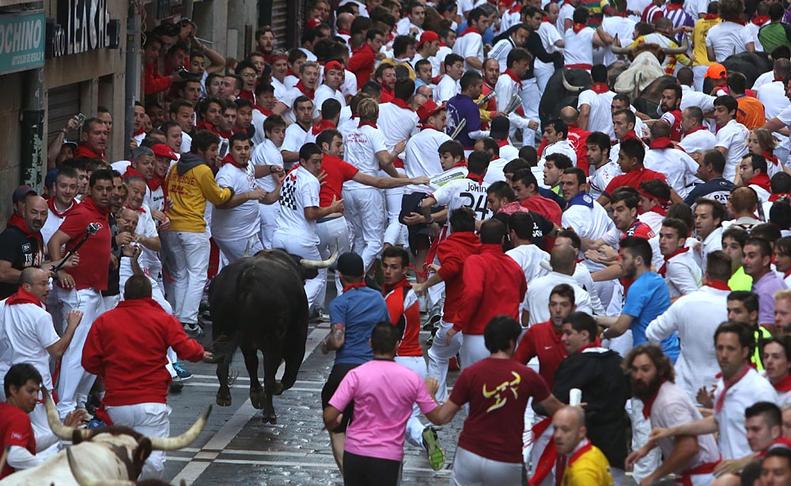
(694, 317)
(600, 117)
(539, 290)
(360, 148)
(469, 45)
(578, 46)
(396, 123)
(242, 221)
(601, 177)
(421, 156)
(52, 224)
(726, 38)
(464, 193)
(26, 331)
(529, 257)
(677, 166)
(588, 222)
(683, 275)
(300, 190)
(773, 96)
(146, 226)
(566, 12)
(733, 138)
(266, 153)
(750, 389)
(698, 141)
(324, 93)
(690, 97)
(295, 138)
(446, 89)
(505, 89)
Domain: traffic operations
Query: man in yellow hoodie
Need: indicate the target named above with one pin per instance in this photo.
(580, 463)
(188, 185)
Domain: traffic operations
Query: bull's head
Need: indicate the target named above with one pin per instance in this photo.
(320, 263)
(570, 87)
(83, 480)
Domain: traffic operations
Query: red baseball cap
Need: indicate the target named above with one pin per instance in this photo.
(334, 65)
(162, 150)
(428, 36)
(429, 108)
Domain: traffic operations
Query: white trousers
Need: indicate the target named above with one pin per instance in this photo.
(699, 76)
(110, 302)
(542, 71)
(414, 427)
(473, 349)
(235, 249)
(439, 354)
(151, 420)
(470, 469)
(306, 249)
(333, 236)
(394, 233)
(74, 382)
(365, 213)
(268, 214)
(188, 257)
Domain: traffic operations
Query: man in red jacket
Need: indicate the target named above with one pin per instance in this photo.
(494, 285)
(452, 252)
(126, 347)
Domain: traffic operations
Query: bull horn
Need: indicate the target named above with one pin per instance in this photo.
(61, 431)
(619, 50)
(183, 440)
(82, 480)
(568, 86)
(320, 263)
(678, 50)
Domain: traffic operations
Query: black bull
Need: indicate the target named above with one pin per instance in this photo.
(557, 97)
(259, 303)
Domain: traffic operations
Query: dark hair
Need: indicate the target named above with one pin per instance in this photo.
(729, 102)
(515, 165)
(401, 43)
(384, 338)
(100, 175)
(501, 189)
(330, 108)
(581, 321)
(630, 117)
(599, 73)
(576, 171)
(559, 126)
(780, 182)
(681, 227)
(501, 333)
(599, 139)
(203, 139)
(452, 59)
(633, 148)
(242, 136)
(492, 231)
(272, 122)
(768, 231)
(300, 99)
(664, 368)
(576, 242)
(327, 136)
(715, 159)
(491, 145)
(758, 162)
(396, 252)
(781, 452)
(742, 330)
(564, 290)
(780, 213)
(638, 247)
(717, 209)
(764, 246)
(580, 15)
(526, 177)
(453, 147)
(561, 161)
(65, 171)
(718, 265)
(737, 82)
(19, 374)
(309, 150)
(771, 412)
(783, 340)
(529, 154)
(478, 162)
(522, 223)
(469, 79)
(737, 234)
(749, 299)
(628, 195)
(517, 54)
(462, 219)
(137, 287)
(404, 88)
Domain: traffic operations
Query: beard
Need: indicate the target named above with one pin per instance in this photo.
(645, 391)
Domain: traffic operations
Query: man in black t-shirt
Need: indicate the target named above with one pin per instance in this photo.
(21, 243)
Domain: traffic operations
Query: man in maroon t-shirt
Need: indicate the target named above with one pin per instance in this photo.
(497, 389)
(630, 159)
(81, 288)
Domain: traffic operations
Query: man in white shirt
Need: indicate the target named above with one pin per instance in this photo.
(689, 96)
(752, 171)
(709, 215)
(665, 404)
(468, 192)
(662, 156)
(60, 202)
(525, 252)
(697, 138)
(773, 94)
(469, 45)
(595, 104)
(305, 86)
(565, 20)
(366, 149)
(729, 36)
(731, 135)
(695, 317)
(556, 132)
(602, 170)
(412, 24)
(268, 154)
(562, 260)
(509, 84)
(682, 274)
(27, 335)
(739, 387)
(503, 47)
(448, 85)
(551, 40)
(297, 132)
(330, 88)
(299, 210)
(235, 225)
(583, 214)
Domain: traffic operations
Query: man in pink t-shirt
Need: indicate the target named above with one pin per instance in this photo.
(383, 393)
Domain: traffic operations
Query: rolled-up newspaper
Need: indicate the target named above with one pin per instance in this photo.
(575, 397)
(513, 104)
(459, 128)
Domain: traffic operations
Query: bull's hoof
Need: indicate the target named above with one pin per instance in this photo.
(224, 397)
(257, 397)
(278, 388)
(270, 418)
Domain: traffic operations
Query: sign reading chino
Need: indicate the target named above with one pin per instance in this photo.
(82, 25)
(21, 42)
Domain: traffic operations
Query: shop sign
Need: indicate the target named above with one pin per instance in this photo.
(21, 42)
(81, 26)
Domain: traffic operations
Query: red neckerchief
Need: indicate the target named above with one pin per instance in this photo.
(154, 183)
(228, 159)
(322, 125)
(663, 268)
(139, 210)
(19, 223)
(600, 88)
(367, 123)
(711, 16)
(577, 27)
(659, 209)
(22, 296)
(469, 30)
(401, 104)
(783, 385)
(718, 284)
(512, 75)
(760, 20)
(594, 344)
(515, 9)
(762, 180)
(56, 211)
(779, 196)
(475, 177)
(263, 110)
(386, 95)
(132, 172)
(139, 132)
(631, 134)
(224, 133)
(696, 129)
(770, 157)
(502, 143)
(661, 143)
(310, 93)
(207, 125)
(727, 385)
(403, 283)
(649, 402)
(87, 152)
(356, 285)
(344, 32)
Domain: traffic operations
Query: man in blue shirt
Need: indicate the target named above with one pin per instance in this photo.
(463, 107)
(353, 316)
(647, 297)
